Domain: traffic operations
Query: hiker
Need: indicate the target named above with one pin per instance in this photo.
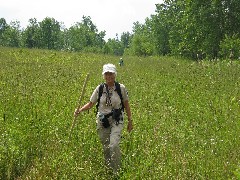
(111, 98)
(121, 62)
(231, 55)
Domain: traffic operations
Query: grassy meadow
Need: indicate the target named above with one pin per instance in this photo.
(186, 117)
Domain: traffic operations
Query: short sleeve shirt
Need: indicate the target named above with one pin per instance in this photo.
(114, 98)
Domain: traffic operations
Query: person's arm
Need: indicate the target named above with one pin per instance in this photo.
(129, 115)
(87, 106)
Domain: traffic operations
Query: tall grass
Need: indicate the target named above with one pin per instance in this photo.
(186, 117)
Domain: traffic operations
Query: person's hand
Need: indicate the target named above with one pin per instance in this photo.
(77, 112)
(129, 126)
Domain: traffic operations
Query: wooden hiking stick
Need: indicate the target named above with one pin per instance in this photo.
(79, 103)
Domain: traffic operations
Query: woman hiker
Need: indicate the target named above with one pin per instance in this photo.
(111, 98)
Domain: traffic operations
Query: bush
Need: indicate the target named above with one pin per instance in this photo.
(230, 43)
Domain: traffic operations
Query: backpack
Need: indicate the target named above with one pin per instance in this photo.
(100, 91)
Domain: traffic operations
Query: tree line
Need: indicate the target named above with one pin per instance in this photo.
(193, 29)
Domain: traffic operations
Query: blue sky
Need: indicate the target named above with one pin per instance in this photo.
(113, 16)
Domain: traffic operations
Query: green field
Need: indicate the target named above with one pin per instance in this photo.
(186, 117)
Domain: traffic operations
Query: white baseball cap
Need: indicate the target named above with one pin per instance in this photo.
(109, 68)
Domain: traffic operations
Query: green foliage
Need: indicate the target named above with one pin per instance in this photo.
(50, 34)
(50, 30)
(142, 40)
(126, 38)
(189, 28)
(84, 35)
(31, 35)
(160, 28)
(237, 173)
(229, 44)
(10, 34)
(114, 46)
(186, 117)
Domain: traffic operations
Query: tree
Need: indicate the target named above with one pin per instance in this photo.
(189, 27)
(85, 35)
(231, 11)
(208, 26)
(161, 30)
(141, 44)
(126, 38)
(12, 34)
(230, 45)
(3, 28)
(50, 32)
(114, 46)
(31, 35)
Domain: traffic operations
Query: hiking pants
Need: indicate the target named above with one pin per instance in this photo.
(110, 139)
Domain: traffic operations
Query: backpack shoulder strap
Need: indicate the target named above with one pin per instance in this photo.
(100, 91)
(118, 89)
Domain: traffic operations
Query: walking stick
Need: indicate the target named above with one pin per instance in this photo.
(79, 103)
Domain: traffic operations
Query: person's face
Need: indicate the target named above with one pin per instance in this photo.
(109, 77)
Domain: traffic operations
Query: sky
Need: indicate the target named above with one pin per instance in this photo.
(113, 16)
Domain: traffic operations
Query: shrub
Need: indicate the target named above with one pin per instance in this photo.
(230, 43)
